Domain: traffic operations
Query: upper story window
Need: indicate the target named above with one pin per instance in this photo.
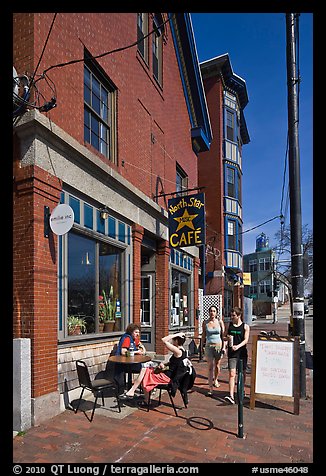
(157, 47)
(231, 236)
(181, 179)
(142, 31)
(252, 265)
(230, 181)
(264, 264)
(99, 111)
(230, 125)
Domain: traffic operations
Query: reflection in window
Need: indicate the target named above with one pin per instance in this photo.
(94, 283)
(81, 279)
(180, 296)
(146, 301)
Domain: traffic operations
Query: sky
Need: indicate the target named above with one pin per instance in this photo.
(256, 44)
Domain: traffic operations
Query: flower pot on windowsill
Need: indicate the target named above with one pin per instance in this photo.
(101, 327)
(109, 326)
(76, 331)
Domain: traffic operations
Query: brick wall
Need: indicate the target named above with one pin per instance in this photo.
(35, 273)
(153, 127)
(210, 173)
(153, 134)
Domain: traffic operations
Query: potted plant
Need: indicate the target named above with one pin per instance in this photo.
(107, 308)
(76, 325)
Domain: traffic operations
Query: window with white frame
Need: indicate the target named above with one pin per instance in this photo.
(157, 47)
(146, 300)
(230, 125)
(264, 287)
(181, 179)
(252, 265)
(230, 182)
(99, 110)
(264, 264)
(142, 31)
(231, 236)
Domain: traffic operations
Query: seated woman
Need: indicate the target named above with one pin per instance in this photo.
(131, 338)
(149, 377)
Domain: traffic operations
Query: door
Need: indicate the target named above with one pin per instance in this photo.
(147, 311)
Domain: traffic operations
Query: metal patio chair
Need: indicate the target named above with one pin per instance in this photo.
(97, 386)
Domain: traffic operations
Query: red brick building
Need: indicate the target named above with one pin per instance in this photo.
(129, 123)
(220, 171)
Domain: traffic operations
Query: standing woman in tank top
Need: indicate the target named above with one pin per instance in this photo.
(212, 337)
(239, 332)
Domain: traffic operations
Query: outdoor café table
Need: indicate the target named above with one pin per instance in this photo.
(127, 361)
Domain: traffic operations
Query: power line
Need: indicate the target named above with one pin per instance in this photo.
(116, 50)
(261, 224)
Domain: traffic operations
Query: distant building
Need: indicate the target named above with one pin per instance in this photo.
(260, 266)
(220, 172)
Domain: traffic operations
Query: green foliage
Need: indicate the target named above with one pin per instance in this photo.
(75, 321)
(107, 306)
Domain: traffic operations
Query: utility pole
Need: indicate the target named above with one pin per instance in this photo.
(275, 291)
(295, 193)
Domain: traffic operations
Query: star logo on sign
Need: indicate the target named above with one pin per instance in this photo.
(185, 220)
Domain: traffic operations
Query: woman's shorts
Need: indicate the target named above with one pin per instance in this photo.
(233, 362)
(213, 351)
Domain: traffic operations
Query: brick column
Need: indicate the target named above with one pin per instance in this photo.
(162, 295)
(137, 239)
(35, 274)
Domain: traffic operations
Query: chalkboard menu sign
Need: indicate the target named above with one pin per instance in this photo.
(275, 369)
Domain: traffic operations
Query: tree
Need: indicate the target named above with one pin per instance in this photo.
(283, 252)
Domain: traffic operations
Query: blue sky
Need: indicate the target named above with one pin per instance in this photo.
(256, 44)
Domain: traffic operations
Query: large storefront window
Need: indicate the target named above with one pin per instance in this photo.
(94, 286)
(180, 299)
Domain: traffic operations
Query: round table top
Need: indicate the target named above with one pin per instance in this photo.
(136, 359)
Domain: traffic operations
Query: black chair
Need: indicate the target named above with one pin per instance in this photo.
(97, 386)
(168, 388)
(185, 383)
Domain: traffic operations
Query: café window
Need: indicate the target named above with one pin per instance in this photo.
(94, 289)
(180, 298)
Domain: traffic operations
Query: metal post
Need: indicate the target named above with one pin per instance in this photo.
(275, 293)
(295, 194)
(240, 393)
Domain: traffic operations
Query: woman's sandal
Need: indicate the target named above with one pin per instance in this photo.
(217, 384)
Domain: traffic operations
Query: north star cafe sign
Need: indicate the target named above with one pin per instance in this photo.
(187, 221)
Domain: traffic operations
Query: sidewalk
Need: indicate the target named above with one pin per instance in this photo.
(205, 432)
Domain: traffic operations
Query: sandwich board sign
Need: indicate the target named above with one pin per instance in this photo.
(275, 369)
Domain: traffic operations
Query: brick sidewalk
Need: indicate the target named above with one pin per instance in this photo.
(205, 432)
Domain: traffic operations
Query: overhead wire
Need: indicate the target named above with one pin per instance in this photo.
(115, 50)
